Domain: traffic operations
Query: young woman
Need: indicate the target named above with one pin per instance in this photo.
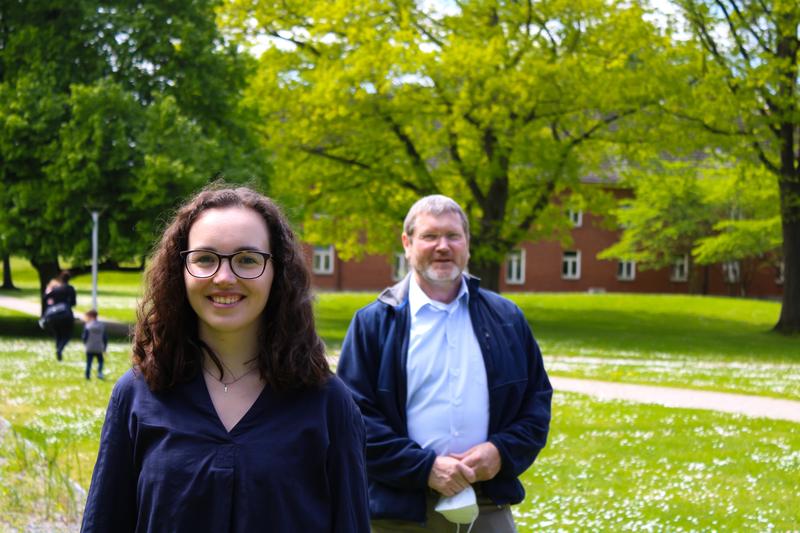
(230, 419)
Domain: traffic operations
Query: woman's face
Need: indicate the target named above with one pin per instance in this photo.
(225, 303)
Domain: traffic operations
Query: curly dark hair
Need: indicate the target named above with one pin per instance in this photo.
(166, 347)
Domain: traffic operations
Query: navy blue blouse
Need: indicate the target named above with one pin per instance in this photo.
(294, 462)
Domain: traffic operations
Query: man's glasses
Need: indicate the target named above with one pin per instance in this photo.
(247, 264)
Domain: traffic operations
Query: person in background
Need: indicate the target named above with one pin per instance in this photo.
(95, 341)
(451, 384)
(230, 419)
(59, 299)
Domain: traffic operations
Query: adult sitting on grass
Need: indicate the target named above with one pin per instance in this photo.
(230, 419)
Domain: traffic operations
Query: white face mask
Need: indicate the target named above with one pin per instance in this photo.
(461, 508)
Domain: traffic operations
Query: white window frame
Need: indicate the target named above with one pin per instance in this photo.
(399, 266)
(575, 261)
(576, 217)
(680, 269)
(515, 267)
(779, 276)
(626, 270)
(732, 271)
(323, 260)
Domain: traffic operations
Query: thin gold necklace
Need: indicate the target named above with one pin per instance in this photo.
(228, 384)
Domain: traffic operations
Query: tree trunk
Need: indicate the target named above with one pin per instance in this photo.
(8, 283)
(789, 321)
(47, 270)
(488, 272)
(789, 177)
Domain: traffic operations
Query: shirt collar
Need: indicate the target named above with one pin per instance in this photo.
(417, 299)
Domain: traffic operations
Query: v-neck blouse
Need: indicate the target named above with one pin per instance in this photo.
(294, 462)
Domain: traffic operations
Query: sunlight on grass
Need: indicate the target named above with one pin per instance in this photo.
(50, 403)
(780, 380)
(609, 465)
(617, 466)
(613, 325)
(37, 494)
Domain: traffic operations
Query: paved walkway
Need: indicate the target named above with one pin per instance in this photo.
(33, 308)
(18, 304)
(748, 405)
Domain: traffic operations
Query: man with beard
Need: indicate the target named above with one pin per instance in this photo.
(451, 385)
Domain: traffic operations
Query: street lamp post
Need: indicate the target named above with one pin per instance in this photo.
(95, 223)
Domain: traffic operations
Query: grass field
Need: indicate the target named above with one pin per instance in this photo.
(610, 466)
(617, 466)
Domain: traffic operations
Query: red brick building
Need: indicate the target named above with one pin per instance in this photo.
(548, 267)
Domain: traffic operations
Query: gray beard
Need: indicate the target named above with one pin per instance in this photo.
(432, 276)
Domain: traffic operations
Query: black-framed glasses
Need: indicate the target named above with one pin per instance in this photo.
(247, 264)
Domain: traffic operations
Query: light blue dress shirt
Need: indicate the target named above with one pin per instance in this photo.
(447, 400)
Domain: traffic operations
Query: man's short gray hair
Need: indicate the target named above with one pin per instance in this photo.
(436, 205)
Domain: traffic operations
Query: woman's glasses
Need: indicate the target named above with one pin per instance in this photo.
(247, 264)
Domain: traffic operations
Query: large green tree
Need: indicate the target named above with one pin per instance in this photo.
(663, 220)
(125, 106)
(503, 105)
(744, 92)
(710, 209)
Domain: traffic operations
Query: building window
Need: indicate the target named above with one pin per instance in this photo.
(620, 210)
(731, 271)
(680, 269)
(571, 265)
(323, 260)
(576, 217)
(626, 270)
(399, 266)
(779, 274)
(515, 267)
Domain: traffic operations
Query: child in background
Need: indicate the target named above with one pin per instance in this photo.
(95, 339)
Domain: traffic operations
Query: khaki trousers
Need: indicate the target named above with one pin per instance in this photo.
(491, 519)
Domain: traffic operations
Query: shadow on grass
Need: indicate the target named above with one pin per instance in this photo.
(637, 332)
(28, 327)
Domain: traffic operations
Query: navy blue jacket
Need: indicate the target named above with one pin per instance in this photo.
(373, 365)
(294, 462)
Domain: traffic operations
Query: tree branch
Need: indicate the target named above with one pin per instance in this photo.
(709, 42)
(708, 127)
(299, 44)
(762, 156)
(322, 152)
(417, 163)
(734, 31)
(466, 173)
(543, 27)
(543, 201)
(749, 28)
(613, 117)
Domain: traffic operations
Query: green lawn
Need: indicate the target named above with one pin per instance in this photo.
(713, 343)
(608, 466)
(617, 466)
(47, 456)
(722, 344)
